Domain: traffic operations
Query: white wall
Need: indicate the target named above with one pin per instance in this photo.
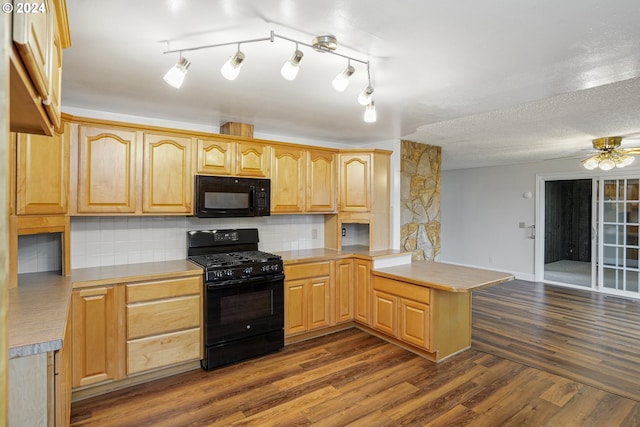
(482, 208)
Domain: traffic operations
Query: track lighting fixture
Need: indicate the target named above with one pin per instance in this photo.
(341, 81)
(370, 115)
(175, 76)
(290, 69)
(231, 68)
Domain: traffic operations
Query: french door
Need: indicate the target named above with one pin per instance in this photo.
(617, 242)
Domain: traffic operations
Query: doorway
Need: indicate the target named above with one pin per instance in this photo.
(588, 232)
(568, 232)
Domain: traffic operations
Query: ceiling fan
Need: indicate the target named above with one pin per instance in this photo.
(609, 154)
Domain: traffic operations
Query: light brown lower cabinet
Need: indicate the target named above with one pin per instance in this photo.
(401, 310)
(307, 297)
(97, 321)
(126, 329)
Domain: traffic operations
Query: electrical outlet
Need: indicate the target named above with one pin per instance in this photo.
(521, 225)
(314, 233)
(344, 231)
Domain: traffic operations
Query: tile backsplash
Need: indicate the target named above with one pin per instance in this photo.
(104, 241)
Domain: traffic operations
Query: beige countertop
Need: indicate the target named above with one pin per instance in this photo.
(322, 254)
(38, 311)
(439, 275)
(39, 305)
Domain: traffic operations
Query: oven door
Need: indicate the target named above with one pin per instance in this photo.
(242, 308)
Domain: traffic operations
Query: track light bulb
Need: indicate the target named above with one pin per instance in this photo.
(341, 81)
(175, 76)
(290, 68)
(231, 68)
(370, 115)
(365, 96)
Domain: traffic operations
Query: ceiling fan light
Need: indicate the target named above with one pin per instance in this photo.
(365, 96)
(591, 163)
(624, 160)
(175, 76)
(370, 115)
(607, 164)
(341, 81)
(290, 68)
(231, 68)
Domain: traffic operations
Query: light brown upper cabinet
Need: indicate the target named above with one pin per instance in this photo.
(253, 159)
(355, 182)
(42, 174)
(40, 31)
(321, 181)
(107, 167)
(303, 181)
(216, 157)
(52, 103)
(33, 36)
(287, 180)
(167, 181)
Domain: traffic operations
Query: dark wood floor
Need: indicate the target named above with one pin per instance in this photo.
(585, 336)
(352, 378)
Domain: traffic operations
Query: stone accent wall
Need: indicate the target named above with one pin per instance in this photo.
(420, 199)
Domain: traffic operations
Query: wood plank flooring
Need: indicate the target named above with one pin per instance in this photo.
(352, 378)
(587, 337)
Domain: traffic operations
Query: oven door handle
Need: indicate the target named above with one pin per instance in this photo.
(267, 279)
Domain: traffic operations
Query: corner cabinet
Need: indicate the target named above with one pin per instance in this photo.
(36, 65)
(167, 183)
(343, 291)
(42, 174)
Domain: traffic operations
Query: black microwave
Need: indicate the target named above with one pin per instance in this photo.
(223, 196)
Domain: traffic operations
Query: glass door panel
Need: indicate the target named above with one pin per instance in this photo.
(618, 248)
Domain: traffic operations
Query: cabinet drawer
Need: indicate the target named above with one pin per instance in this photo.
(402, 289)
(163, 350)
(148, 291)
(314, 269)
(163, 316)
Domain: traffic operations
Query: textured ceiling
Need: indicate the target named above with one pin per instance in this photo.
(493, 82)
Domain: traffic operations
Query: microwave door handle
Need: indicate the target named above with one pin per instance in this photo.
(252, 198)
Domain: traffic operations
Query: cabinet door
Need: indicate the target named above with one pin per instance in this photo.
(362, 278)
(355, 183)
(252, 159)
(287, 180)
(295, 305)
(216, 157)
(414, 322)
(321, 181)
(385, 312)
(52, 103)
(33, 36)
(106, 170)
(319, 304)
(343, 297)
(42, 183)
(97, 335)
(167, 182)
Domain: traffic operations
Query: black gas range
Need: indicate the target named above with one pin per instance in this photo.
(243, 295)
